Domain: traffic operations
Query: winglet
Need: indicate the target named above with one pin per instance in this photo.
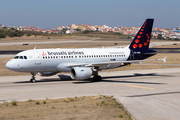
(164, 59)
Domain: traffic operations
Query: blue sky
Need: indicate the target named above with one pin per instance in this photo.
(52, 13)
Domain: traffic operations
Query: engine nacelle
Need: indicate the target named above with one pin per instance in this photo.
(81, 73)
(46, 74)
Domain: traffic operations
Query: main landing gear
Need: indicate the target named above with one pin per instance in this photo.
(33, 80)
(97, 78)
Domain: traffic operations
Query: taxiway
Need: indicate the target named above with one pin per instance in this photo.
(146, 94)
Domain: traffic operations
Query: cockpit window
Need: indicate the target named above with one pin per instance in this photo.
(16, 57)
(20, 57)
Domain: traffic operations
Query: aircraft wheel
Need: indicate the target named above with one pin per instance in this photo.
(97, 78)
(33, 81)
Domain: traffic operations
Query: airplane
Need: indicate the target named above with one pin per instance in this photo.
(86, 62)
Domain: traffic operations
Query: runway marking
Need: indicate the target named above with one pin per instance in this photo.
(139, 87)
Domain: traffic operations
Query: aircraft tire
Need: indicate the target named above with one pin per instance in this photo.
(33, 80)
(97, 78)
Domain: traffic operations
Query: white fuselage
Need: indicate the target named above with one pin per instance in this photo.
(60, 60)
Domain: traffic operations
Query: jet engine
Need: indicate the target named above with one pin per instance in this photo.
(81, 73)
(46, 74)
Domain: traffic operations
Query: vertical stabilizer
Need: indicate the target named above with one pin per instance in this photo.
(142, 39)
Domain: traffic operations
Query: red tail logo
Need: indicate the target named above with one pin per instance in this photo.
(44, 54)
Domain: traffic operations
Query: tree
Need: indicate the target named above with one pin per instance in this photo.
(86, 31)
(2, 35)
(12, 29)
(64, 30)
(77, 29)
(176, 39)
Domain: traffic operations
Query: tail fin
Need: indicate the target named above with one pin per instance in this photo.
(142, 39)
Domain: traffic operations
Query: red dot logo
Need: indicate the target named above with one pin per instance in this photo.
(139, 36)
(142, 29)
(148, 40)
(145, 43)
(140, 32)
(137, 41)
(146, 34)
(134, 45)
(148, 37)
(140, 45)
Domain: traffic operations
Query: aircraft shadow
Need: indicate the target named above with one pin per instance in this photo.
(154, 94)
(61, 78)
(105, 79)
(136, 75)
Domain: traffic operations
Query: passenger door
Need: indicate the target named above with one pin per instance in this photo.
(37, 58)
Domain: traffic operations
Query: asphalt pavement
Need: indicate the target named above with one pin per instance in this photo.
(147, 94)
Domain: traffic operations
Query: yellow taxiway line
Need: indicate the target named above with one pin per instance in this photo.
(139, 87)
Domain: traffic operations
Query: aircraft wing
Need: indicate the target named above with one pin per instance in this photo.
(103, 64)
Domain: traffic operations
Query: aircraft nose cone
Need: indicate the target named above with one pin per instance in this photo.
(11, 65)
(8, 64)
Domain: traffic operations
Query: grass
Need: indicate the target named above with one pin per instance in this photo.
(103, 35)
(85, 108)
(121, 116)
(71, 99)
(30, 100)
(83, 44)
(37, 103)
(14, 102)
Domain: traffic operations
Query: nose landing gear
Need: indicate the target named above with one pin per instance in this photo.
(33, 80)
